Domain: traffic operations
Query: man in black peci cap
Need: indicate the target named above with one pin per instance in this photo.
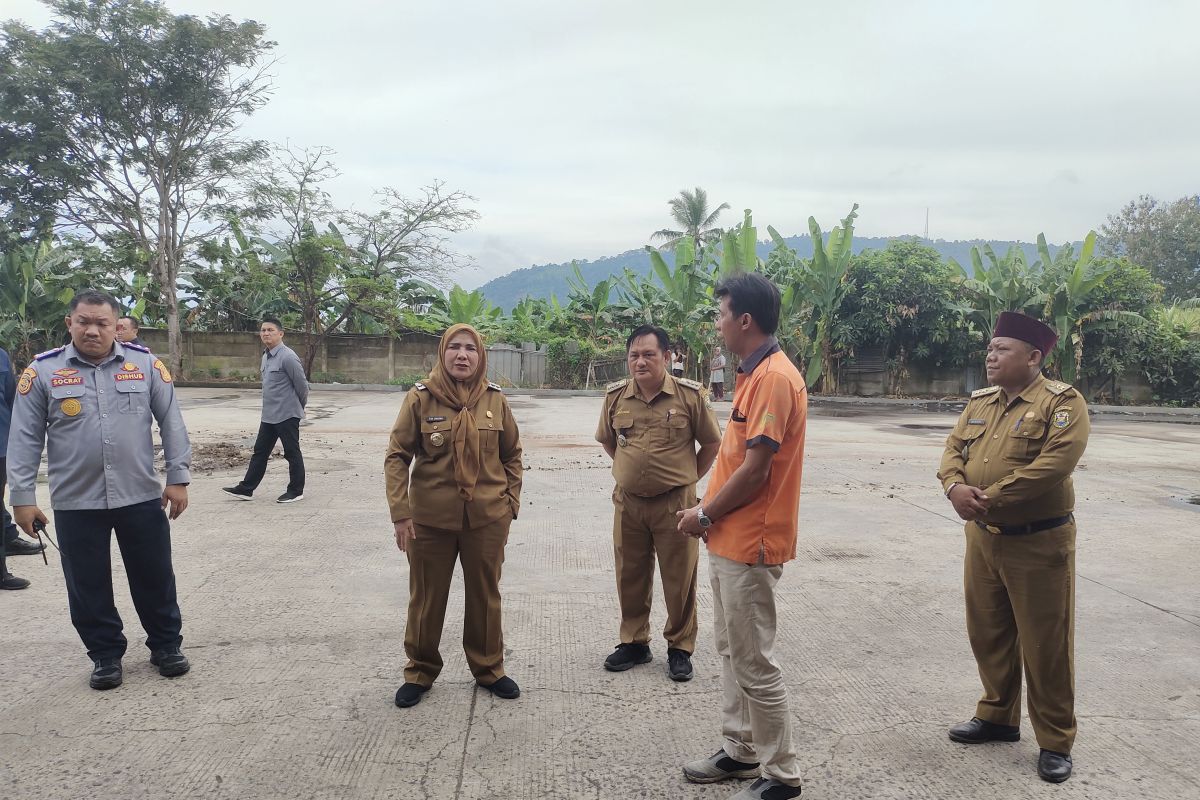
(1007, 471)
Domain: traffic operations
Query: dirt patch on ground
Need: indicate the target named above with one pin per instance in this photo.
(220, 455)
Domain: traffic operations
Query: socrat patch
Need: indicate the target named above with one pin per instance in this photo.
(25, 383)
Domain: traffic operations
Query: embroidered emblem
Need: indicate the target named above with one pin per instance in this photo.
(66, 372)
(129, 366)
(163, 372)
(26, 381)
(71, 407)
(768, 418)
(73, 381)
(1062, 418)
(622, 440)
(131, 376)
(437, 440)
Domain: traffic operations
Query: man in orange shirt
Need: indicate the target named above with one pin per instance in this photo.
(748, 517)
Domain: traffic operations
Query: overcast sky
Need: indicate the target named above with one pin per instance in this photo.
(574, 122)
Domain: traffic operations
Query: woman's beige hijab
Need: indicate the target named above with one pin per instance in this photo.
(462, 396)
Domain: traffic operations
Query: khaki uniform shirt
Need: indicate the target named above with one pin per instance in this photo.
(656, 441)
(1021, 453)
(419, 468)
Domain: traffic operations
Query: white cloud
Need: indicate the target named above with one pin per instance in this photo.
(574, 123)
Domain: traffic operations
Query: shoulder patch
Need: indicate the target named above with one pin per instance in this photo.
(25, 383)
(163, 372)
(1058, 387)
(49, 353)
(691, 384)
(141, 348)
(985, 391)
(421, 386)
(621, 384)
(495, 387)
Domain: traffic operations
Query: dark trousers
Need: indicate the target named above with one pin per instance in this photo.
(144, 537)
(10, 531)
(287, 432)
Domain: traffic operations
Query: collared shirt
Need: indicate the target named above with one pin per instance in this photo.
(655, 440)
(1020, 452)
(418, 470)
(96, 424)
(284, 387)
(770, 409)
(8, 393)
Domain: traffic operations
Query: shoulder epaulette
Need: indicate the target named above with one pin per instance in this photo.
(495, 387)
(1057, 387)
(49, 353)
(621, 384)
(419, 385)
(985, 391)
(141, 348)
(691, 384)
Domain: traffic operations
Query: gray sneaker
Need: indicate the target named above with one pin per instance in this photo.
(718, 767)
(767, 789)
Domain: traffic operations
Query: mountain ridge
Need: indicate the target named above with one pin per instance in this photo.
(543, 280)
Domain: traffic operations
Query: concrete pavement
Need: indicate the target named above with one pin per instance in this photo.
(293, 617)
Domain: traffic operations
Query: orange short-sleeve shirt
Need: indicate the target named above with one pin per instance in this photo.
(770, 409)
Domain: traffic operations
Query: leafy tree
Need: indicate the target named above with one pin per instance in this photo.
(901, 301)
(688, 309)
(140, 112)
(1162, 237)
(461, 306)
(1003, 284)
(1115, 343)
(692, 217)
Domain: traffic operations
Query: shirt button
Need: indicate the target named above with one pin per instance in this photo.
(995, 436)
(106, 441)
(985, 461)
(104, 415)
(108, 466)
(101, 391)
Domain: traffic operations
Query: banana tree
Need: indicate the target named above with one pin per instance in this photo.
(822, 286)
(1008, 284)
(1070, 288)
(739, 248)
(34, 295)
(689, 305)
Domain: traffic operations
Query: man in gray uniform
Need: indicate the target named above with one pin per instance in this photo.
(92, 404)
(284, 393)
(8, 392)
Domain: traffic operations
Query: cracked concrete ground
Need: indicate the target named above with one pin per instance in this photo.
(293, 616)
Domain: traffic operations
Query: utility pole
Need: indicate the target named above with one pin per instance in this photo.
(927, 223)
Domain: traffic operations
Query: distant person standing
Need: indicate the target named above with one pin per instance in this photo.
(284, 396)
(676, 363)
(128, 329)
(716, 373)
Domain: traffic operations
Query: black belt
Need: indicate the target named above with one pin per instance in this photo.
(1029, 527)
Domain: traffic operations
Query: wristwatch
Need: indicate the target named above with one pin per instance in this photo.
(704, 520)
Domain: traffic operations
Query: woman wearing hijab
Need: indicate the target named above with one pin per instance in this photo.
(453, 475)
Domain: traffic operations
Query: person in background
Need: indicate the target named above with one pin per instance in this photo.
(128, 329)
(716, 373)
(284, 396)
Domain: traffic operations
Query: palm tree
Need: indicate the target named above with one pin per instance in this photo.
(691, 214)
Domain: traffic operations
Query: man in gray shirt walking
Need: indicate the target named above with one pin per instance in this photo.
(92, 405)
(284, 393)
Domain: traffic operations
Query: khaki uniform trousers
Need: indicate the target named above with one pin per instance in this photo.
(1020, 593)
(643, 526)
(756, 721)
(431, 557)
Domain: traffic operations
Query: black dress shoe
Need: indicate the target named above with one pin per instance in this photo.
(627, 655)
(977, 731)
(10, 581)
(170, 663)
(20, 547)
(1054, 767)
(505, 688)
(106, 674)
(410, 694)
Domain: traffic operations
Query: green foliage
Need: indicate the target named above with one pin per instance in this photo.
(1170, 361)
(1162, 237)
(693, 219)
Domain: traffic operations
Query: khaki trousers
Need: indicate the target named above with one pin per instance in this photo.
(1020, 593)
(643, 526)
(755, 719)
(431, 557)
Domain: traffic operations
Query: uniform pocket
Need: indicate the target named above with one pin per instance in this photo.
(133, 397)
(489, 434)
(673, 430)
(1025, 443)
(67, 402)
(435, 439)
